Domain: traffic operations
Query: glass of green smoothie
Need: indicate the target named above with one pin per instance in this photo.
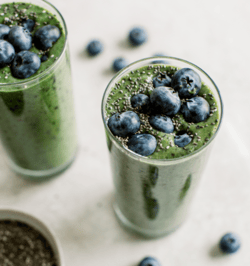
(153, 193)
(37, 123)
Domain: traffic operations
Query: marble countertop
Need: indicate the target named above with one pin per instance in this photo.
(77, 204)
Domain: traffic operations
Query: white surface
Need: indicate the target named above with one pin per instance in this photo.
(76, 205)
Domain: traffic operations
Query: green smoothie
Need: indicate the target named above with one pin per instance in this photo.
(153, 193)
(37, 123)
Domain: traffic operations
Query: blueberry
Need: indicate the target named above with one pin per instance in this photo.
(165, 101)
(44, 58)
(141, 102)
(182, 139)
(119, 63)
(28, 24)
(162, 80)
(137, 36)
(7, 53)
(161, 123)
(46, 36)
(94, 47)
(143, 144)
(195, 110)
(20, 38)
(149, 261)
(230, 243)
(4, 31)
(187, 82)
(160, 61)
(25, 64)
(124, 124)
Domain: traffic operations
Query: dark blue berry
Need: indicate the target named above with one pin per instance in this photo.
(161, 123)
(25, 64)
(149, 261)
(94, 47)
(141, 102)
(187, 82)
(182, 139)
(119, 63)
(143, 144)
(165, 101)
(28, 24)
(4, 31)
(162, 80)
(195, 110)
(46, 36)
(159, 61)
(230, 243)
(44, 58)
(7, 53)
(124, 124)
(137, 36)
(20, 38)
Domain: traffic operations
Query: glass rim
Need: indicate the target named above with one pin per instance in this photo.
(120, 74)
(54, 64)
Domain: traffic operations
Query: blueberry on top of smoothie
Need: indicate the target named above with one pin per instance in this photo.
(143, 144)
(230, 243)
(25, 64)
(182, 139)
(165, 100)
(94, 47)
(162, 80)
(161, 123)
(149, 261)
(187, 82)
(44, 58)
(137, 36)
(46, 36)
(124, 124)
(20, 38)
(28, 24)
(7, 53)
(4, 31)
(119, 63)
(141, 102)
(195, 110)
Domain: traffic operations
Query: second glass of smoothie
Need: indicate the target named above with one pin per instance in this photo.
(37, 123)
(153, 193)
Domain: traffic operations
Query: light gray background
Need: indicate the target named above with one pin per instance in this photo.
(76, 205)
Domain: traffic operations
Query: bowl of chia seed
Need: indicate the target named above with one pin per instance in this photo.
(26, 241)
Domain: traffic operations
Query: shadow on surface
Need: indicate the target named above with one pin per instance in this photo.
(215, 252)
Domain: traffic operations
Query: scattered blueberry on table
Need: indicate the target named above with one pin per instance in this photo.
(119, 63)
(230, 243)
(149, 261)
(137, 36)
(94, 47)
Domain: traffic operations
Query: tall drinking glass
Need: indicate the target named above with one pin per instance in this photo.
(153, 196)
(37, 122)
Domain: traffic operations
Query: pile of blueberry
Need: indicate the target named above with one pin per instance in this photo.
(15, 43)
(136, 37)
(170, 96)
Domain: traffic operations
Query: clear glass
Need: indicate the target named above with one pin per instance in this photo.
(152, 197)
(39, 133)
